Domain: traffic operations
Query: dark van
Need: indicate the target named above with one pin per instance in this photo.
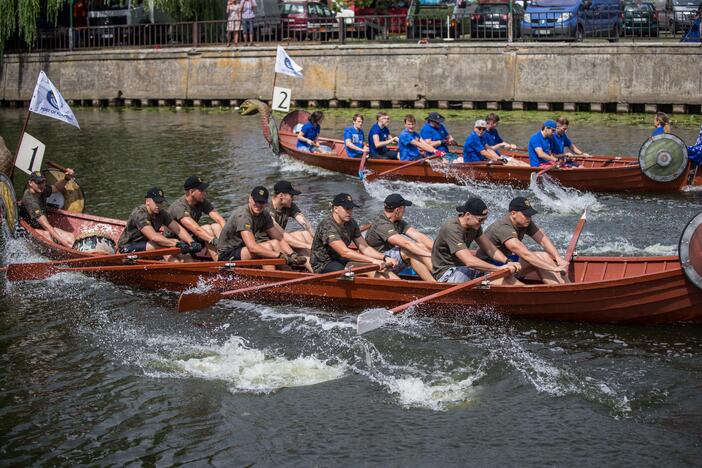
(572, 19)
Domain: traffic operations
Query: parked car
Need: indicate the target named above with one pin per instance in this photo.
(572, 19)
(314, 20)
(677, 15)
(640, 19)
(429, 18)
(490, 20)
(462, 16)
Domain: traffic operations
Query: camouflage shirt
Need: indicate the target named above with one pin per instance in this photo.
(327, 232)
(138, 220)
(242, 220)
(34, 204)
(501, 231)
(451, 239)
(381, 229)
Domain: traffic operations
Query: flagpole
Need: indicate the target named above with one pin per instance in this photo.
(19, 144)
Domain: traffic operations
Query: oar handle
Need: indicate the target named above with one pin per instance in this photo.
(570, 250)
(395, 169)
(462, 286)
(56, 166)
(214, 266)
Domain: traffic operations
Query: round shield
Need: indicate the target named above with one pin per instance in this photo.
(71, 197)
(663, 158)
(9, 203)
(275, 140)
(690, 250)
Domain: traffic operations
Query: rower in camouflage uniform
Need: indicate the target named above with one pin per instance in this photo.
(33, 207)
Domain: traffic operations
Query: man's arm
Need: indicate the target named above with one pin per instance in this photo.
(217, 218)
(490, 154)
(254, 248)
(496, 254)
(420, 237)
(422, 144)
(182, 233)
(157, 238)
(46, 225)
(578, 151)
(61, 184)
(548, 246)
(190, 225)
(543, 155)
(404, 243)
(354, 256)
(302, 221)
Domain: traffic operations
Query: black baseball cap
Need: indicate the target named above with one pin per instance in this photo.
(345, 200)
(474, 206)
(260, 194)
(37, 177)
(195, 182)
(395, 200)
(523, 205)
(436, 117)
(156, 194)
(284, 186)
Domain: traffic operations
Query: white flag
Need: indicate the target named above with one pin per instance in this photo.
(47, 101)
(285, 65)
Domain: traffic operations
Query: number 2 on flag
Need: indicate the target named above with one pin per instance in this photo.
(281, 99)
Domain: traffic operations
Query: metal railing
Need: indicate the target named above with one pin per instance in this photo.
(380, 28)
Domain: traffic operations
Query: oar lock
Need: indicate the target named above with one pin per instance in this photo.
(228, 266)
(348, 276)
(485, 284)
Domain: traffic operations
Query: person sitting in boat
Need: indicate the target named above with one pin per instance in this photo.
(661, 122)
(392, 236)
(309, 133)
(33, 207)
(354, 138)
(540, 146)
(434, 132)
(476, 149)
(238, 238)
(379, 138)
(334, 235)
(283, 208)
(410, 143)
(188, 210)
(451, 258)
(560, 141)
(143, 230)
(492, 137)
(507, 233)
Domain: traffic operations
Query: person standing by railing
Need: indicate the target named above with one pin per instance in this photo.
(234, 8)
(248, 14)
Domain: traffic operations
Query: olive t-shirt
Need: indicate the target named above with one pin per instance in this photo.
(138, 220)
(34, 204)
(281, 217)
(327, 232)
(381, 229)
(451, 239)
(180, 209)
(501, 231)
(242, 220)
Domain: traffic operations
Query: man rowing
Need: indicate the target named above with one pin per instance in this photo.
(560, 141)
(33, 206)
(540, 146)
(434, 132)
(354, 138)
(379, 138)
(507, 233)
(492, 136)
(144, 227)
(334, 235)
(282, 209)
(392, 236)
(238, 238)
(309, 133)
(410, 143)
(475, 148)
(188, 210)
(451, 258)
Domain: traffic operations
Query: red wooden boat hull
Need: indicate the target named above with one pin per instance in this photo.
(647, 290)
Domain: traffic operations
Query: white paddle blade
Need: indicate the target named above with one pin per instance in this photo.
(368, 321)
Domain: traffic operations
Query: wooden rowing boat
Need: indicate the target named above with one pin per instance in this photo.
(604, 289)
(597, 174)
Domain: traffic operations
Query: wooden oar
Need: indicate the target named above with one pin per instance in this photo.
(373, 319)
(36, 271)
(371, 177)
(189, 266)
(570, 250)
(362, 166)
(195, 300)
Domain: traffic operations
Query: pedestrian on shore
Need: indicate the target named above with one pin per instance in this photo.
(234, 8)
(248, 13)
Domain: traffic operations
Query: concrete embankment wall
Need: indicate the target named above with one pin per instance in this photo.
(591, 76)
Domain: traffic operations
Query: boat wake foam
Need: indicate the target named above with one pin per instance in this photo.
(556, 198)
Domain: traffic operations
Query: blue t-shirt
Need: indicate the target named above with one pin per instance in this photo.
(658, 131)
(560, 143)
(492, 138)
(408, 152)
(383, 134)
(473, 146)
(356, 137)
(538, 140)
(308, 131)
(435, 134)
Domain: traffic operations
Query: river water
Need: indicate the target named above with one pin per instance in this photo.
(94, 373)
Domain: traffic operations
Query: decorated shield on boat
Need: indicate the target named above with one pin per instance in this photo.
(71, 198)
(690, 250)
(663, 158)
(95, 242)
(8, 203)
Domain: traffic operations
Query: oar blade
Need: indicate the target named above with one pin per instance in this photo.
(29, 271)
(189, 301)
(371, 320)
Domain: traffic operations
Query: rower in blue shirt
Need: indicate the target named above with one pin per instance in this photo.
(379, 138)
(475, 149)
(434, 132)
(540, 145)
(410, 142)
(662, 124)
(492, 137)
(307, 137)
(353, 138)
(560, 142)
